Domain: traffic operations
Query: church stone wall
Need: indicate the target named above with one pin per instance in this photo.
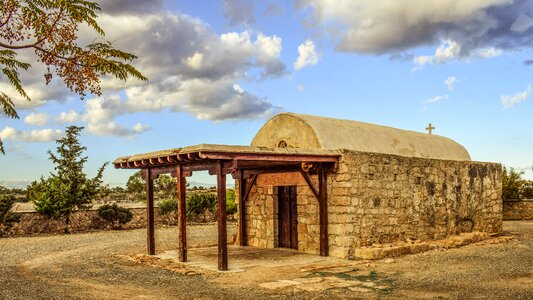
(379, 198)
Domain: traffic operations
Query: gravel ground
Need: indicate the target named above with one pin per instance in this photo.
(90, 266)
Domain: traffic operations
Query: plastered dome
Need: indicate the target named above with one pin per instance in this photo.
(305, 131)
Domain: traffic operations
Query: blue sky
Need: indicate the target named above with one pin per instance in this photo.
(219, 69)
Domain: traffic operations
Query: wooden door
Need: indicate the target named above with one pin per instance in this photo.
(288, 217)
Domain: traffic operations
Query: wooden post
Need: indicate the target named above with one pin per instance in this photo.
(182, 218)
(323, 211)
(242, 209)
(150, 211)
(222, 237)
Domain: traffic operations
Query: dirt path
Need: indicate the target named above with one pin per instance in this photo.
(91, 266)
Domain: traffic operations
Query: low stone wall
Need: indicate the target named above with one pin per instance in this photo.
(35, 223)
(518, 209)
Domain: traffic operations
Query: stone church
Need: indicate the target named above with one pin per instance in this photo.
(389, 185)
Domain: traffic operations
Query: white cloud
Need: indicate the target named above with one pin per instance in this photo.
(139, 128)
(450, 50)
(450, 82)
(301, 88)
(307, 55)
(37, 119)
(42, 135)
(393, 27)
(190, 67)
(446, 52)
(487, 52)
(68, 117)
(510, 101)
(435, 99)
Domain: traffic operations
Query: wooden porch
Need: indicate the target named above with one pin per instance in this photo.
(244, 164)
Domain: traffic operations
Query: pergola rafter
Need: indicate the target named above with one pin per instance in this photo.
(244, 164)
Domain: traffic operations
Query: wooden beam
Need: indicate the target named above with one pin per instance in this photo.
(242, 210)
(270, 156)
(249, 187)
(150, 212)
(182, 218)
(323, 211)
(310, 184)
(222, 231)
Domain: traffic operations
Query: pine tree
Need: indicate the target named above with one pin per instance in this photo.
(68, 189)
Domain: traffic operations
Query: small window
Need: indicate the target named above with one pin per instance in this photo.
(282, 144)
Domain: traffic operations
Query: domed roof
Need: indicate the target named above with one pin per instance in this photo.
(305, 131)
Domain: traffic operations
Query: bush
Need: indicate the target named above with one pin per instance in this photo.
(167, 206)
(7, 218)
(512, 184)
(200, 203)
(115, 215)
(527, 190)
(231, 206)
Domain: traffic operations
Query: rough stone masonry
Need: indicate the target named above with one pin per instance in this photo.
(379, 198)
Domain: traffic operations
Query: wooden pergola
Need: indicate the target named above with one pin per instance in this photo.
(244, 164)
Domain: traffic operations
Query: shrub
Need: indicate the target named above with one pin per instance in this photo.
(115, 215)
(7, 218)
(527, 190)
(231, 206)
(167, 206)
(512, 184)
(200, 203)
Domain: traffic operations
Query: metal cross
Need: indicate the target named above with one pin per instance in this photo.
(429, 128)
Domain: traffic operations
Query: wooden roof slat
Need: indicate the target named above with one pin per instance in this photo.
(206, 154)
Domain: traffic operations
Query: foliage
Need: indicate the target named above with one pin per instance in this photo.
(231, 206)
(69, 189)
(512, 183)
(50, 29)
(527, 190)
(115, 215)
(136, 186)
(200, 203)
(7, 217)
(166, 186)
(18, 194)
(167, 206)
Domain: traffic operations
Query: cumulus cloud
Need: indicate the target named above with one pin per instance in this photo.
(42, 135)
(435, 99)
(307, 55)
(238, 12)
(510, 101)
(100, 115)
(478, 28)
(37, 119)
(190, 67)
(528, 62)
(450, 50)
(68, 117)
(450, 82)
